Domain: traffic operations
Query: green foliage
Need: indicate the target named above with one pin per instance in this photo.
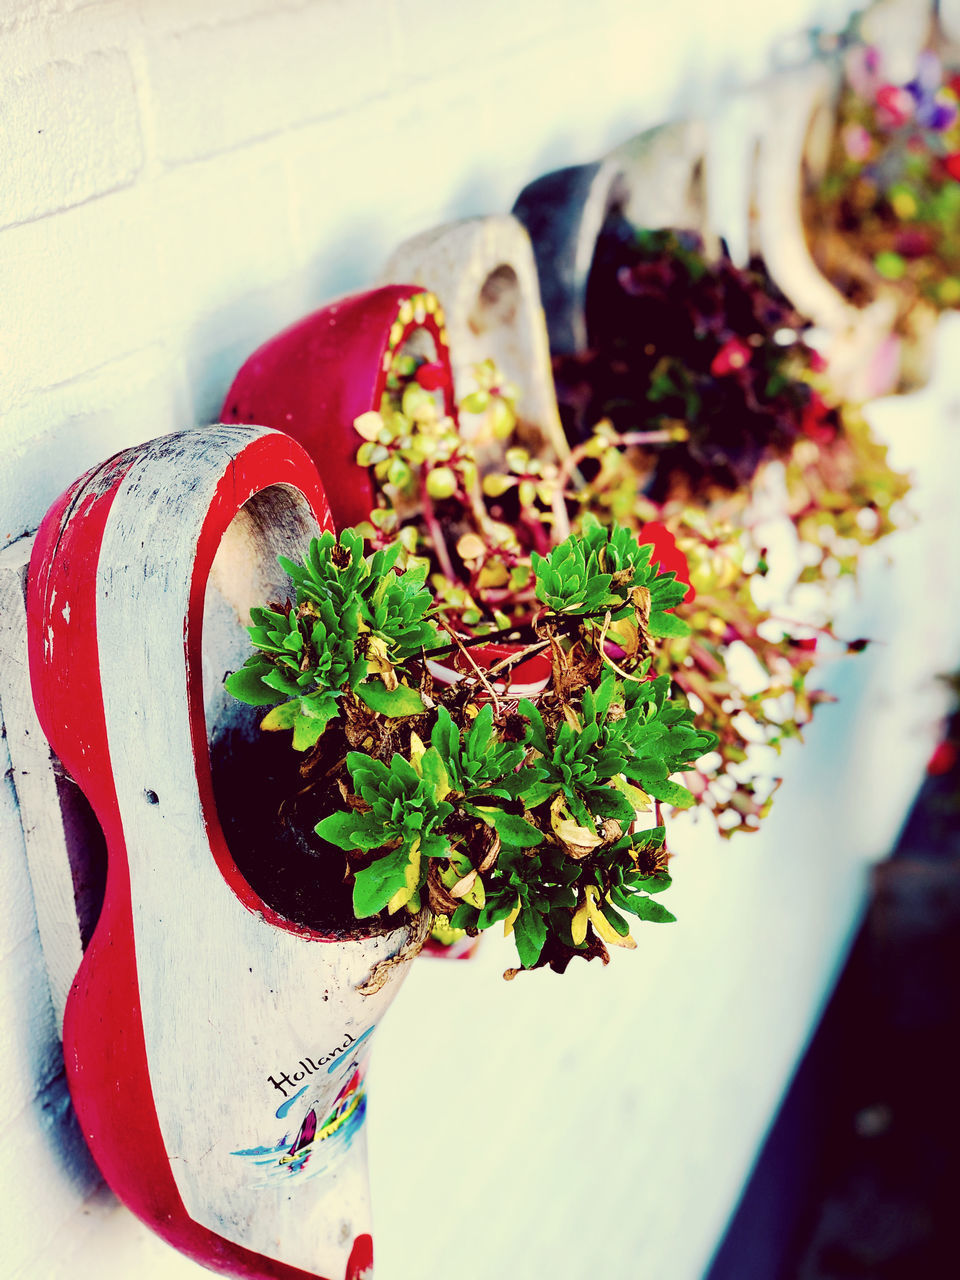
(603, 568)
(479, 766)
(885, 218)
(560, 803)
(406, 811)
(493, 815)
(392, 606)
(354, 625)
(628, 730)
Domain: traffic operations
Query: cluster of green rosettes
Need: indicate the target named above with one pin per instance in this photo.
(583, 574)
(354, 622)
(457, 802)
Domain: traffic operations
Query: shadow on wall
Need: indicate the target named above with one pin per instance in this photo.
(219, 344)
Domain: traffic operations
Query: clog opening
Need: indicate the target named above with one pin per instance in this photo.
(255, 774)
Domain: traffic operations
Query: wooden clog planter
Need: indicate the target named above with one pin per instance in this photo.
(655, 180)
(664, 173)
(484, 272)
(215, 1049)
(316, 378)
(563, 213)
(739, 178)
(759, 145)
(313, 380)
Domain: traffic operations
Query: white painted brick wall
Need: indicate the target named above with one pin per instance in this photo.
(178, 180)
(72, 131)
(214, 88)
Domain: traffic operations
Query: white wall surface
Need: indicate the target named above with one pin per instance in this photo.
(178, 180)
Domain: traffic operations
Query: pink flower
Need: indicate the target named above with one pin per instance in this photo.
(732, 356)
(863, 70)
(895, 105)
(857, 142)
(913, 242)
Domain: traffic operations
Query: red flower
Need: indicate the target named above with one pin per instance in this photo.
(815, 421)
(952, 165)
(733, 355)
(817, 362)
(894, 104)
(943, 759)
(666, 553)
(431, 376)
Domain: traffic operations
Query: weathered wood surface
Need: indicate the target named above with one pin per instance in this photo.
(205, 1036)
(314, 379)
(948, 30)
(484, 273)
(654, 180)
(899, 29)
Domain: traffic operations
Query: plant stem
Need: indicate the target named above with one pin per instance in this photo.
(458, 643)
(435, 532)
(522, 630)
(514, 658)
(561, 520)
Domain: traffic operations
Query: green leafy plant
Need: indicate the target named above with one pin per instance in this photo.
(601, 570)
(353, 625)
(742, 665)
(449, 798)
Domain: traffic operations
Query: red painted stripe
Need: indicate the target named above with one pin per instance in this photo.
(271, 459)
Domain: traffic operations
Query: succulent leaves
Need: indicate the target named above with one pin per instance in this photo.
(605, 569)
(493, 815)
(352, 629)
